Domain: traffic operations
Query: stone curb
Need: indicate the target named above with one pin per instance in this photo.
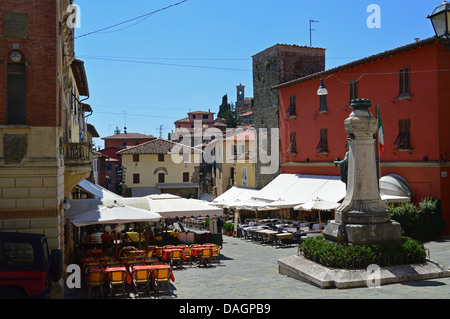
(302, 269)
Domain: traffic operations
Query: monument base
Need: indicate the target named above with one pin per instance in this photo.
(363, 234)
(302, 269)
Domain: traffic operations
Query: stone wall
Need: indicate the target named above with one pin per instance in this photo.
(275, 65)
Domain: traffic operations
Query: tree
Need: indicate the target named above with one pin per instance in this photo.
(228, 112)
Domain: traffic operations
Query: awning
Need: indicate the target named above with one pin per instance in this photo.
(298, 188)
(234, 196)
(114, 214)
(180, 207)
(394, 188)
(97, 190)
(317, 205)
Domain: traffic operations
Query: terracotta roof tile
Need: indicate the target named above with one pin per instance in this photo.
(158, 146)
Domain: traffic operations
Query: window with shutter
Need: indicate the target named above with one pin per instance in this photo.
(322, 146)
(323, 103)
(292, 108)
(403, 137)
(404, 82)
(353, 90)
(292, 144)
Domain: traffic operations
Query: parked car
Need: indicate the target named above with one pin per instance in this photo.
(26, 266)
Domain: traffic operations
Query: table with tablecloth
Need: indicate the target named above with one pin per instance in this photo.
(167, 251)
(150, 268)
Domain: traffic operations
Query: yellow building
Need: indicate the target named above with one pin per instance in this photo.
(235, 158)
(159, 166)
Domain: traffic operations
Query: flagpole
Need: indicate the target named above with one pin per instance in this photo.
(377, 157)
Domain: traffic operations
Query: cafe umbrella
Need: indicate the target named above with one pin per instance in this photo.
(114, 214)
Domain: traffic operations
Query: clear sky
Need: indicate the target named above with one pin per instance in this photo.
(150, 72)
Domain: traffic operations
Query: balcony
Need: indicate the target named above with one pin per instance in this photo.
(77, 155)
(77, 164)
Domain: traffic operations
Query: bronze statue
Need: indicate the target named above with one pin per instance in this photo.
(344, 168)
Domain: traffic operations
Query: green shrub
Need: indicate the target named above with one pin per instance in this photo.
(335, 255)
(422, 223)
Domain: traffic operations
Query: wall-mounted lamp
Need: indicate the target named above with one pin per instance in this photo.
(322, 89)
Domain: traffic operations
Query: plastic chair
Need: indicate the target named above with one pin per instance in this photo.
(141, 277)
(187, 256)
(158, 253)
(215, 255)
(160, 276)
(175, 258)
(95, 278)
(205, 257)
(117, 278)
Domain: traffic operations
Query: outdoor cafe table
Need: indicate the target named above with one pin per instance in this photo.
(167, 251)
(195, 251)
(285, 236)
(266, 233)
(110, 269)
(153, 267)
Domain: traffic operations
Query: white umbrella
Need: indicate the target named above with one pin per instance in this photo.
(114, 214)
(280, 203)
(318, 205)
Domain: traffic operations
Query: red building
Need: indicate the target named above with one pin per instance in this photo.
(207, 119)
(410, 86)
(124, 140)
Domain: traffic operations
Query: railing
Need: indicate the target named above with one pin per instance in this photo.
(79, 152)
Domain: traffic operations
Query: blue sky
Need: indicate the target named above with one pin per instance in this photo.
(151, 72)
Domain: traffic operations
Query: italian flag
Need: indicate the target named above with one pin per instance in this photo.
(380, 132)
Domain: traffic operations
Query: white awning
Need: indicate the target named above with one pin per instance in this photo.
(298, 188)
(394, 189)
(234, 196)
(97, 190)
(180, 207)
(114, 214)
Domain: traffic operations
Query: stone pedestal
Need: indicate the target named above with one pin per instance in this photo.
(362, 218)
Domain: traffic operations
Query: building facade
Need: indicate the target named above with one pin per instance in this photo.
(150, 168)
(45, 140)
(412, 95)
(123, 140)
(234, 161)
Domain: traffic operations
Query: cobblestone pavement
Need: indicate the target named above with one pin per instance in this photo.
(250, 271)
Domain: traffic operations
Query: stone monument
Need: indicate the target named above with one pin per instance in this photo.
(362, 218)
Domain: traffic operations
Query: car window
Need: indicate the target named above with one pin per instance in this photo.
(16, 253)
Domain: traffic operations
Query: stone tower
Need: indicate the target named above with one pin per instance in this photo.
(275, 65)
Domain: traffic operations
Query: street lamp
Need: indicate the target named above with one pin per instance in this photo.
(322, 89)
(440, 18)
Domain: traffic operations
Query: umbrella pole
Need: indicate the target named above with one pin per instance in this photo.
(320, 222)
(281, 214)
(117, 256)
(139, 236)
(146, 239)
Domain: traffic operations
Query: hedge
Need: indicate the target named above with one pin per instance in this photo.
(336, 255)
(423, 223)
